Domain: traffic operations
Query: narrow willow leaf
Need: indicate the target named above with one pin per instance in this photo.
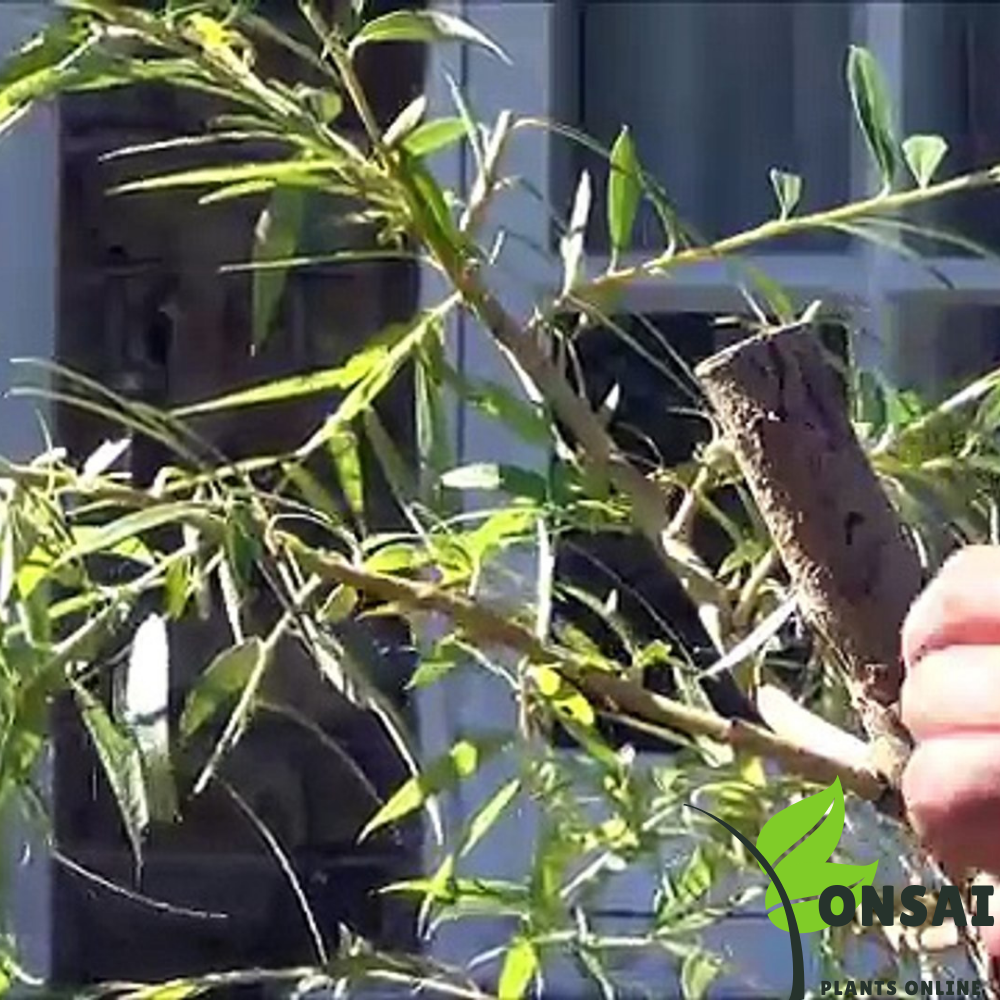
(430, 209)
(276, 236)
(872, 110)
(699, 970)
(108, 537)
(624, 191)
(441, 775)
(121, 760)
(491, 811)
(185, 989)
(497, 402)
(381, 366)
(145, 712)
(219, 684)
(433, 136)
(520, 966)
(398, 472)
(361, 365)
(343, 448)
(477, 476)
(285, 171)
(805, 869)
(775, 297)
(406, 121)
(787, 189)
(571, 245)
(924, 154)
(103, 458)
(432, 668)
(422, 26)
(240, 715)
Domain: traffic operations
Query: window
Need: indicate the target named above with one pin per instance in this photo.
(768, 72)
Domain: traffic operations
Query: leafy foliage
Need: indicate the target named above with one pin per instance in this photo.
(83, 550)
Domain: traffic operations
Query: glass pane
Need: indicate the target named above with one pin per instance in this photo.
(951, 54)
(716, 95)
(938, 347)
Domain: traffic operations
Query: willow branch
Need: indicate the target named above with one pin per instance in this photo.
(489, 626)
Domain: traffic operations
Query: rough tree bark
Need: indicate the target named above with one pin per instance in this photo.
(856, 573)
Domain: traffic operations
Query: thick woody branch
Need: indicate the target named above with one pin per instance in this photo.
(855, 572)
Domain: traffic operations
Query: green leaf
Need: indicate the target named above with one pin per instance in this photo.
(109, 537)
(364, 364)
(775, 297)
(491, 476)
(276, 237)
(433, 136)
(220, 683)
(572, 244)
(488, 815)
(699, 970)
(406, 121)
(422, 26)
(381, 364)
(624, 191)
(240, 715)
(442, 774)
(278, 172)
(519, 968)
(145, 712)
(497, 402)
(872, 110)
(343, 448)
(120, 757)
(805, 870)
(787, 189)
(924, 154)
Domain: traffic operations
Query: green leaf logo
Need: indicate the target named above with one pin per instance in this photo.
(798, 842)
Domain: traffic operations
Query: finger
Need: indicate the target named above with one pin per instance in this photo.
(960, 606)
(953, 691)
(951, 788)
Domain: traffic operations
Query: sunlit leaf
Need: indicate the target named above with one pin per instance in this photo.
(108, 537)
(406, 121)
(381, 365)
(787, 189)
(520, 965)
(433, 136)
(145, 711)
(624, 191)
(422, 26)
(572, 243)
(219, 684)
(121, 760)
(284, 171)
(698, 971)
(489, 813)
(924, 154)
(442, 774)
(872, 110)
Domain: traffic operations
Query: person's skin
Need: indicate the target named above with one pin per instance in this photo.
(951, 705)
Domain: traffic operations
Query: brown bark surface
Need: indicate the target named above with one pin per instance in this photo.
(780, 405)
